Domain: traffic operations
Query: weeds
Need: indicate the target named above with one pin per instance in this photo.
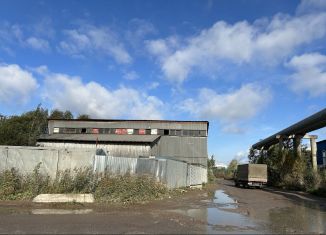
(107, 188)
(128, 188)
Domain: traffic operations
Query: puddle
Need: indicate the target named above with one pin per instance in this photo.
(60, 212)
(297, 219)
(218, 219)
(224, 201)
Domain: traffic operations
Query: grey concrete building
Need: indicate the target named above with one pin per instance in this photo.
(180, 140)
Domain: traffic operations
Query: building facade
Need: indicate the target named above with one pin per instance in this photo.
(178, 140)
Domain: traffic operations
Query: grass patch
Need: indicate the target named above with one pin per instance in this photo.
(106, 188)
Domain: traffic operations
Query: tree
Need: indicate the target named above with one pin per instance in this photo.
(58, 114)
(232, 167)
(83, 116)
(24, 129)
(211, 162)
(253, 155)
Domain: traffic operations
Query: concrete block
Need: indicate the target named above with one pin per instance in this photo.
(57, 198)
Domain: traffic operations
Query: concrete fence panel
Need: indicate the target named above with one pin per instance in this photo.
(75, 158)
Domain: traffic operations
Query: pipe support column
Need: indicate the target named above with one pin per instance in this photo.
(313, 147)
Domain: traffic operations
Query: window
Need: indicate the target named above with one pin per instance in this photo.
(83, 130)
(166, 132)
(202, 133)
(69, 130)
(161, 132)
(178, 132)
(172, 132)
(185, 132)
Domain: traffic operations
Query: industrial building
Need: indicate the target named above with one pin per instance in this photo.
(178, 140)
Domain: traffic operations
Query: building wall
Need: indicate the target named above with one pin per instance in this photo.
(189, 149)
(321, 146)
(127, 124)
(118, 150)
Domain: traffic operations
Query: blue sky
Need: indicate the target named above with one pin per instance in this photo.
(251, 68)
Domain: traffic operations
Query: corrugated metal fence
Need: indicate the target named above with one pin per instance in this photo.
(174, 174)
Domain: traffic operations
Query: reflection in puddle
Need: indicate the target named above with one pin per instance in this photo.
(224, 201)
(220, 220)
(60, 211)
(298, 218)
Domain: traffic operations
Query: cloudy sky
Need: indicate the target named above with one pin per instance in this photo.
(251, 68)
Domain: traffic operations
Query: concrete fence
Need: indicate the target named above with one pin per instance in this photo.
(173, 173)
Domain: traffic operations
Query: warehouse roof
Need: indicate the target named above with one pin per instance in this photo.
(124, 120)
(100, 138)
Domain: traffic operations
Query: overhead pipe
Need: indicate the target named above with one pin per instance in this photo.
(311, 123)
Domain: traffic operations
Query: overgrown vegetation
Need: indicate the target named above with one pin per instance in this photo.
(25, 129)
(289, 171)
(210, 169)
(232, 167)
(106, 188)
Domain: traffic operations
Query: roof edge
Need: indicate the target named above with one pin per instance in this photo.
(125, 120)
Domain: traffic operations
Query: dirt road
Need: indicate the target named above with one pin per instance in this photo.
(221, 208)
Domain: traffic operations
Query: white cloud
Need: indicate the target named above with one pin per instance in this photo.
(13, 35)
(309, 75)
(264, 41)
(153, 85)
(70, 93)
(16, 84)
(229, 107)
(242, 156)
(139, 29)
(38, 43)
(89, 39)
(132, 75)
(233, 128)
(311, 6)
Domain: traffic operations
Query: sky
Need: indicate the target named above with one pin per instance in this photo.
(250, 68)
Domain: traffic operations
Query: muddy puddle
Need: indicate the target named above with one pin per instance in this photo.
(224, 201)
(60, 212)
(297, 219)
(220, 217)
